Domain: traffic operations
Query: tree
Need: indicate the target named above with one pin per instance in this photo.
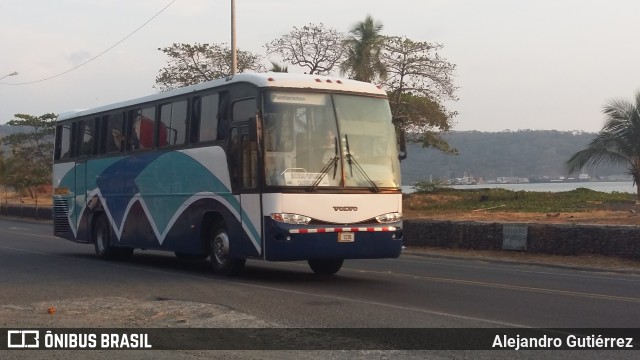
(3, 171)
(275, 67)
(192, 64)
(425, 120)
(363, 51)
(313, 46)
(29, 165)
(617, 143)
(418, 82)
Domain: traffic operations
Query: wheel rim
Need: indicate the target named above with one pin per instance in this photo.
(220, 248)
(100, 236)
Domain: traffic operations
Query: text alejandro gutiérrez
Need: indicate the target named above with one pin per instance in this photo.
(570, 341)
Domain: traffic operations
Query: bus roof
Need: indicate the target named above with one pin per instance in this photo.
(261, 80)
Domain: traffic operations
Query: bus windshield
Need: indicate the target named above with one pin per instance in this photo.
(329, 140)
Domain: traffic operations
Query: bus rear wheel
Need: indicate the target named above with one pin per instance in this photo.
(221, 262)
(102, 241)
(325, 266)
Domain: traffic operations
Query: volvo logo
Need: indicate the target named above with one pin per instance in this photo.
(345, 208)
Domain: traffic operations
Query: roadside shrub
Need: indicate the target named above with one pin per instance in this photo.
(427, 187)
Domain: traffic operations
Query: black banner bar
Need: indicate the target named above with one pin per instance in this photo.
(320, 339)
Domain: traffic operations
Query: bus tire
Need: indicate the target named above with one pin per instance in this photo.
(221, 263)
(325, 266)
(102, 239)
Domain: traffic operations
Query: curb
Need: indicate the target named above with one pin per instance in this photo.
(26, 219)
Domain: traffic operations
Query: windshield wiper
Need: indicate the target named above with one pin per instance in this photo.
(354, 163)
(325, 169)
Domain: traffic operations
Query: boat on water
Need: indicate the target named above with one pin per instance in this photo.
(559, 179)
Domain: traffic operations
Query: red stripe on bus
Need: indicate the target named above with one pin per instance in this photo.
(346, 229)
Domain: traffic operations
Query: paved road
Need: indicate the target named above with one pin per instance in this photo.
(412, 291)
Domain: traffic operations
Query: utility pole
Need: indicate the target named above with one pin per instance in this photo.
(234, 53)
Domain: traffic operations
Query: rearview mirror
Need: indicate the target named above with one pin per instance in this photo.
(401, 137)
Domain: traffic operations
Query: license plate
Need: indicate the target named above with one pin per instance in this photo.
(346, 237)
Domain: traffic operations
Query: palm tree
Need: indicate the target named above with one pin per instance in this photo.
(363, 52)
(275, 67)
(617, 143)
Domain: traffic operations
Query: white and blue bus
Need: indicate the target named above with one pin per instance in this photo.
(273, 166)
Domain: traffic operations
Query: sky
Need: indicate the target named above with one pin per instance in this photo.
(525, 64)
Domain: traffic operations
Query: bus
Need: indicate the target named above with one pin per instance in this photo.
(275, 166)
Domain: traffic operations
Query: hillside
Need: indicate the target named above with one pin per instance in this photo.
(8, 130)
(490, 155)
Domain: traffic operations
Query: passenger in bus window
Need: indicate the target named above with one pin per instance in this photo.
(141, 132)
(163, 136)
(133, 140)
(116, 140)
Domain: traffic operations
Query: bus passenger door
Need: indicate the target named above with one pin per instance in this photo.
(80, 198)
(244, 178)
(86, 147)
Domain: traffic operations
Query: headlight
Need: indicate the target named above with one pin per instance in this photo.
(291, 218)
(389, 218)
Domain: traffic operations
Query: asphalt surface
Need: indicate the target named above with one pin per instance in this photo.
(412, 291)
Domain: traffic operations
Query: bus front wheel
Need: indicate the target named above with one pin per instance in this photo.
(102, 241)
(325, 267)
(221, 262)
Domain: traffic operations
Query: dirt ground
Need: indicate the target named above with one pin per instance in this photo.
(607, 217)
(612, 214)
(118, 312)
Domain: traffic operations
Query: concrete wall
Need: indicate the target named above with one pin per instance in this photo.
(39, 213)
(556, 239)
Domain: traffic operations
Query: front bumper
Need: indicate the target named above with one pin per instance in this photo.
(286, 242)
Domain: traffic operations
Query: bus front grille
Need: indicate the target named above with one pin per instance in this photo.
(61, 216)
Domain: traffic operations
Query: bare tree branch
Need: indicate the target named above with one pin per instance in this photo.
(313, 46)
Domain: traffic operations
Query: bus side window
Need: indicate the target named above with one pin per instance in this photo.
(165, 124)
(194, 122)
(244, 109)
(208, 117)
(57, 146)
(172, 128)
(223, 118)
(112, 137)
(141, 128)
(64, 148)
(133, 141)
(86, 137)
